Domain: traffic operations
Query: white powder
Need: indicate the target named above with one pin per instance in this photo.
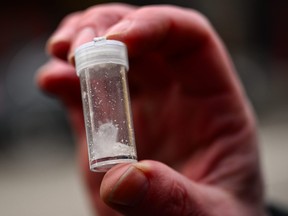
(105, 142)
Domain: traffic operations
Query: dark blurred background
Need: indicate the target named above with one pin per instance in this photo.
(38, 175)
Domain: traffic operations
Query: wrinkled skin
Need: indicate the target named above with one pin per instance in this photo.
(195, 131)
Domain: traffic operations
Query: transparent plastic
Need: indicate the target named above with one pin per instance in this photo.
(107, 111)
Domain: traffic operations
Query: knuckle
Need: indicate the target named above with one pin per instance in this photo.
(177, 204)
(71, 18)
(103, 15)
(180, 203)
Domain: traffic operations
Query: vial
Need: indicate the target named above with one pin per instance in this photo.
(102, 67)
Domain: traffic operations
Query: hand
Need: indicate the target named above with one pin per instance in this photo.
(193, 124)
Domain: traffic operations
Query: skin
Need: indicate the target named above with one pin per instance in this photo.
(195, 130)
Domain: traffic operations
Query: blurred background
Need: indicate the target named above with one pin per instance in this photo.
(38, 171)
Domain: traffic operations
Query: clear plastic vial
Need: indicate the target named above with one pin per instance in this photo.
(102, 67)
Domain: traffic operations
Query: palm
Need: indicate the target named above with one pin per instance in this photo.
(179, 115)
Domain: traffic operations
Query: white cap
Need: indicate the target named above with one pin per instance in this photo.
(100, 51)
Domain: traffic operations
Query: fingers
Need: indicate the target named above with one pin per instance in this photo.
(167, 28)
(59, 79)
(141, 29)
(182, 37)
(82, 27)
(152, 188)
(59, 43)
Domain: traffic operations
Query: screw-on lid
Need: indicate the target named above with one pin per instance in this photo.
(100, 51)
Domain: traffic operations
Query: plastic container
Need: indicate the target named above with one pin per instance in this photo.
(102, 67)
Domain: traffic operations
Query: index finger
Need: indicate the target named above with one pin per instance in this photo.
(81, 27)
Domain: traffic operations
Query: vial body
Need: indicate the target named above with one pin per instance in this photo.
(107, 115)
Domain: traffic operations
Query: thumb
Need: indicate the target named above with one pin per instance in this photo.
(152, 188)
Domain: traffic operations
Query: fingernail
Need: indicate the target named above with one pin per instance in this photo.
(85, 35)
(62, 35)
(130, 188)
(59, 37)
(119, 28)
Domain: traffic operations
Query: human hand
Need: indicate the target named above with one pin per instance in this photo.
(193, 124)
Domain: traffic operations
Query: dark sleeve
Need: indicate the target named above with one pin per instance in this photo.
(277, 211)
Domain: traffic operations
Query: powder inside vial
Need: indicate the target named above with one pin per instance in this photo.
(106, 141)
